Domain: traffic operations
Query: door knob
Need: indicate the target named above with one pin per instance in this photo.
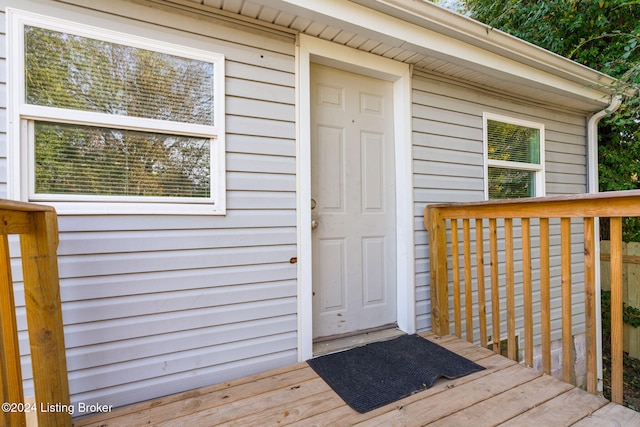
(314, 224)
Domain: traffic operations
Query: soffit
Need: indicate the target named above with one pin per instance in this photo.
(295, 18)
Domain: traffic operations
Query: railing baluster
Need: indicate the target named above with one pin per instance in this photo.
(615, 231)
(482, 309)
(468, 290)
(455, 254)
(567, 333)
(528, 292)
(545, 296)
(495, 286)
(590, 304)
(511, 304)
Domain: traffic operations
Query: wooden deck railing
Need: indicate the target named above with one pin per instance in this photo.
(38, 230)
(519, 223)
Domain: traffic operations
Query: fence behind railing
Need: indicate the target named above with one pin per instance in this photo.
(487, 218)
(38, 230)
(630, 288)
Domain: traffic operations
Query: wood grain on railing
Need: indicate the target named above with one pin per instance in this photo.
(527, 291)
(545, 296)
(615, 230)
(482, 304)
(468, 291)
(495, 285)
(10, 352)
(590, 303)
(567, 330)
(518, 235)
(37, 227)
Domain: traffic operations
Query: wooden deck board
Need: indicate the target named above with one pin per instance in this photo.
(504, 393)
(565, 410)
(507, 405)
(425, 411)
(611, 415)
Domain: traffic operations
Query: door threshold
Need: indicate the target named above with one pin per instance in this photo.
(329, 345)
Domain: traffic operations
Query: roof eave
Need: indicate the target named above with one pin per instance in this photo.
(444, 21)
(440, 33)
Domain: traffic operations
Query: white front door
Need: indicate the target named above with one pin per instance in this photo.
(353, 202)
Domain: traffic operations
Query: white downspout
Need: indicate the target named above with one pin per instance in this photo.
(592, 187)
(592, 143)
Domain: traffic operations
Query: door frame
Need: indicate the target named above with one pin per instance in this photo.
(310, 49)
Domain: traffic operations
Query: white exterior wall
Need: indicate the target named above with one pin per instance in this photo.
(157, 304)
(449, 167)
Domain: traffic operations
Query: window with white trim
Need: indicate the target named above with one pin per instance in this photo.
(514, 158)
(111, 122)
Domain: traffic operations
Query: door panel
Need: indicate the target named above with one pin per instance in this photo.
(373, 253)
(332, 252)
(330, 152)
(372, 181)
(353, 178)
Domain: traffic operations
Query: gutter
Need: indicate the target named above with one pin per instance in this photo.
(592, 187)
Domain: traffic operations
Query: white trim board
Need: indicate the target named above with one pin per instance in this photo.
(315, 50)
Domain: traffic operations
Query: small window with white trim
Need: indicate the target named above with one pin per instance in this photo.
(111, 122)
(514, 158)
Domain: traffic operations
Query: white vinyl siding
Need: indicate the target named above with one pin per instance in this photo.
(449, 167)
(157, 304)
(3, 108)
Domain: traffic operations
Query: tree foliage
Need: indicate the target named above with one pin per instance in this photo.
(603, 35)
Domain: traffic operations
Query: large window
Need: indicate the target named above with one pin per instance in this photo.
(514, 158)
(111, 122)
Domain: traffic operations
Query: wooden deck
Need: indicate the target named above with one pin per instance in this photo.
(504, 393)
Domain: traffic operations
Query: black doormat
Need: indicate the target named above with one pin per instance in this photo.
(376, 374)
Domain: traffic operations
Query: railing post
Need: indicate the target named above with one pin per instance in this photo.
(436, 226)
(44, 317)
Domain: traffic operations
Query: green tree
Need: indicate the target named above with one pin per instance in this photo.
(602, 35)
